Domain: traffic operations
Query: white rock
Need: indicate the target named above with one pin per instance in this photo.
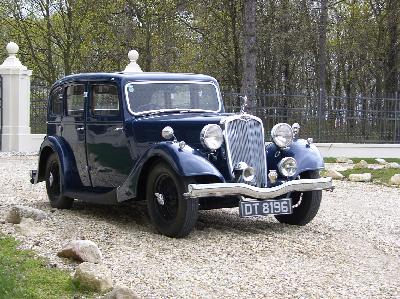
(336, 175)
(342, 160)
(82, 251)
(395, 180)
(360, 177)
(94, 276)
(394, 165)
(16, 213)
(381, 161)
(361, 164)
(28, 227)
(120, 292)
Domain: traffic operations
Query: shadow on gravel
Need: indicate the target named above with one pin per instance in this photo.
(231, 222)
(127, 214)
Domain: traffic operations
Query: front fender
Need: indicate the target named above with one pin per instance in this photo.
(307, 156)
(69, 174)
(186, 162)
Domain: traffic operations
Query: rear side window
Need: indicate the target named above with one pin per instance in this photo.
(75, 100)
(56, 98)
(105, 101)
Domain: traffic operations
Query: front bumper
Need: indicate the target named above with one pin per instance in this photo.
(241, 189)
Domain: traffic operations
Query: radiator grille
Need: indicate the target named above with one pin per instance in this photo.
(244, 138)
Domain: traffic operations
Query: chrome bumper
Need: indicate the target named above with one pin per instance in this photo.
(241, 189)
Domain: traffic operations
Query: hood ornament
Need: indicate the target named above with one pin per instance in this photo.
(243, 104)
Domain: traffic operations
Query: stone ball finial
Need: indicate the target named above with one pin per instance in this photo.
(133, 55)
(12, 48)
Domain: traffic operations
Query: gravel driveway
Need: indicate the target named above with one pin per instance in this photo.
(352, 248)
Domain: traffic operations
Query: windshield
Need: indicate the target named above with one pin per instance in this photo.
(154, 96)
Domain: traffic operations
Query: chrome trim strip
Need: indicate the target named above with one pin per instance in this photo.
(190, 82)
(225, 122)
(241, 189)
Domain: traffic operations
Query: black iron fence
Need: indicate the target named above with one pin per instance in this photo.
(38, 113)
(338, 119)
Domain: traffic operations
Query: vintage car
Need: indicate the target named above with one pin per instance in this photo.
(165, 138)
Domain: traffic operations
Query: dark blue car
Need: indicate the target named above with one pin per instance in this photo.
(165, 138)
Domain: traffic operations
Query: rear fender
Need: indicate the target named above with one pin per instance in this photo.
(69, 174)
(186, 162)
(307, 156)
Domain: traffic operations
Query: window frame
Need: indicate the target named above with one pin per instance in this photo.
(91, 111)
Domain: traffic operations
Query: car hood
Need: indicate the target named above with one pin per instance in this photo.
(187, 126)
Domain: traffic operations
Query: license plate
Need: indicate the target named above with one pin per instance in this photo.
(266, 207)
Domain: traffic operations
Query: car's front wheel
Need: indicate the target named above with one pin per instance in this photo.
(306, 204)
(170, 212)
(54, 184)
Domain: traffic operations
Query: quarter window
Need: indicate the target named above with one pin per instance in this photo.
(56, 101)
(105, 101)
(75, 100)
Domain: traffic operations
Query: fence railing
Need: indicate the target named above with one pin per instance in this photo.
(338, 119)
(38, 113)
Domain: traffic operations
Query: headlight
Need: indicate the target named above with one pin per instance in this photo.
(282, 134)
(211, 137)
(288, 166)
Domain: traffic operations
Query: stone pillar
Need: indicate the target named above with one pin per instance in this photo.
(16, 102)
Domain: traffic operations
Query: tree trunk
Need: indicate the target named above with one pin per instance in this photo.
(323, 19)
(249, 83)
(391, 83)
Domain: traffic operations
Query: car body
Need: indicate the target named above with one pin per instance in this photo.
(165, 138)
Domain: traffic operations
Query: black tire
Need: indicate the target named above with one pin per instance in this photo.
(54, 184)
(308, 207)
(173, 215)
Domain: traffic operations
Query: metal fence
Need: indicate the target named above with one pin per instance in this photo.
(338, 119)
(38, 113)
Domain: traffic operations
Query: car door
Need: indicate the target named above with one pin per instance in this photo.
(108, 154)
(73, 127)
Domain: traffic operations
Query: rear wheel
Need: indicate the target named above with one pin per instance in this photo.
(308, 207)
(171, 214)
(54, 184)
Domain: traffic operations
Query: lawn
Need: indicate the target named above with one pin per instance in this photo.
(23, 275)
(356, 160)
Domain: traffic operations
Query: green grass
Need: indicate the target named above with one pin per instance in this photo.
(380, 176)
(22, 275)
(356, 160)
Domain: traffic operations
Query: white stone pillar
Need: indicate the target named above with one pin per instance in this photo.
(16, 102)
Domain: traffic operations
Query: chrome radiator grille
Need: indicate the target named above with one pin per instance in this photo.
(244, 138)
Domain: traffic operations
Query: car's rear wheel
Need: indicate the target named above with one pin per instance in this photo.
(54, 184)
(308, 207)
(171, 214)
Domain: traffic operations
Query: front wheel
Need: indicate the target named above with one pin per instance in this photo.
(54, 184)
(308, 207)
(171, 214)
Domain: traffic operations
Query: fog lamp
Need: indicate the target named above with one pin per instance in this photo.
(288, 166)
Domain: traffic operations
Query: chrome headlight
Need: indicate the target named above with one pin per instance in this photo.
(288, 166)
(211, 137)
(282, 134)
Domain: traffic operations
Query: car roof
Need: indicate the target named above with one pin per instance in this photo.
(144, 76)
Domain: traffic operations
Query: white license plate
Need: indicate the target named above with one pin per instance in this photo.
(265, 207)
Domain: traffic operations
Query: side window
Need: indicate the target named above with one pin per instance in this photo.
(75, 100)
(56, 98)
(105, 101)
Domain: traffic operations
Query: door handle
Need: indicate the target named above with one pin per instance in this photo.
(119, 129)
(60, 128)
(80, 129)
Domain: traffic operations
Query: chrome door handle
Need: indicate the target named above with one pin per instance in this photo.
(118, 129)
(80, 129)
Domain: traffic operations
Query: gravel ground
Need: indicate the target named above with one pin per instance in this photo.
(351, 249)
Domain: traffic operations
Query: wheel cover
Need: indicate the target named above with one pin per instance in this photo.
(54, 181)
(168, 208)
